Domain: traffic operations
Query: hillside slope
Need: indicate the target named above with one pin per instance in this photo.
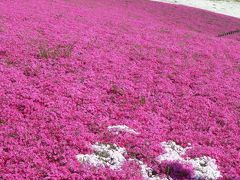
(72, 70)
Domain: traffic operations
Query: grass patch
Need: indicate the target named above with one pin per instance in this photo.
(60, 51)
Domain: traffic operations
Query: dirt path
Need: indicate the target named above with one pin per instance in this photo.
(227, 7)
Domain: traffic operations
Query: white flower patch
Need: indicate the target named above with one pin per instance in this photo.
(121, 128)
(110, 155)
(173, 152)
(204, 167)
(104, 155)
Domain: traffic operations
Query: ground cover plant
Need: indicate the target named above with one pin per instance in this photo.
(118, 89)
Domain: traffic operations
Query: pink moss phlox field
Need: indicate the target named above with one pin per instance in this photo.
(71, 68)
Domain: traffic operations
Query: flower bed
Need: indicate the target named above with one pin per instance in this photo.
(92, 78)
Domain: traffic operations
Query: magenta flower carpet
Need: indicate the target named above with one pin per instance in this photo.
(118, 89)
